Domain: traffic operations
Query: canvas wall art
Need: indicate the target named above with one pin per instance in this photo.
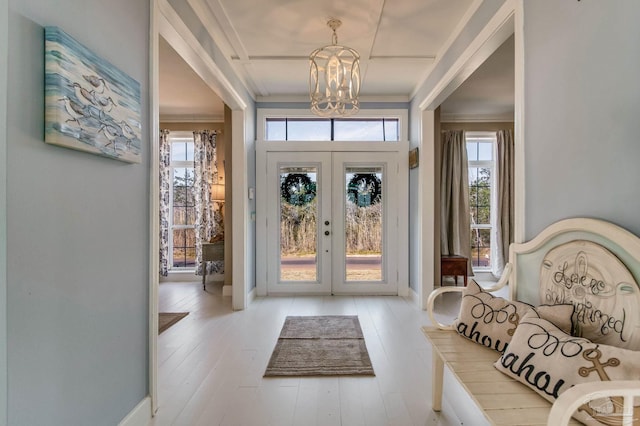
(90, 105)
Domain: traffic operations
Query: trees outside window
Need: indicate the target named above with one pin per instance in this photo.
(182, 236)
(480, 152)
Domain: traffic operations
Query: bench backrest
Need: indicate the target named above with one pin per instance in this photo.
(588, 262)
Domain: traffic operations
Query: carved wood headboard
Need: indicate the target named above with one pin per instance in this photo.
(590, 263)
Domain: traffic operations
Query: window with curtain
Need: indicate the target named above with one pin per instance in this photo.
(187, 171)
(482, 200)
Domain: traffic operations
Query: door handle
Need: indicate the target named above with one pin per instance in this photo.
(326, 232)
(326, 222)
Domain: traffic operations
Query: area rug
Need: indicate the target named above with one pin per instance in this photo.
(167, 319)
(320, 346)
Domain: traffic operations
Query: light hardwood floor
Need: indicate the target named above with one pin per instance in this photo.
(211, 363)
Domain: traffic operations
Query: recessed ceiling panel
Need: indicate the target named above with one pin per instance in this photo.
(417, 28)
(397, 77)
(297, 27)
(288, 77)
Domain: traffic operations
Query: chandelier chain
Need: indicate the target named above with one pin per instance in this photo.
(334, 24)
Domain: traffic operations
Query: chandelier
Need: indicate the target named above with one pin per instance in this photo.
(334, 78)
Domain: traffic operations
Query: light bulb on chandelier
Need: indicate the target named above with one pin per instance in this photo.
(334, 78)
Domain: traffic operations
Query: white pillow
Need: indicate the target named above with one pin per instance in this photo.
(491, 321)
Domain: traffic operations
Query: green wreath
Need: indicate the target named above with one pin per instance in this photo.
(298, 189)
(364, 189)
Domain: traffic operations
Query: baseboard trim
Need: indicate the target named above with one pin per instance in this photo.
(414, 297)
(140, 415)
(227, 290)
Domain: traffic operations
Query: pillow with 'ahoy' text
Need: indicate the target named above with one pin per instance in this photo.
(491, 321)
(550, 361)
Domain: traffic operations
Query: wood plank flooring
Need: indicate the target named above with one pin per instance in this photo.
(211, 363)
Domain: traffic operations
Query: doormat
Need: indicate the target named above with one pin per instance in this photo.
(320, 346)
(167, 319)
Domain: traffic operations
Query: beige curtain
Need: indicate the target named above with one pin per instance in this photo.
(455, 233)
(505, 198)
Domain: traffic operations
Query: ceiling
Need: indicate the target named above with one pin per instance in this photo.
(183, 95)
(268, 45)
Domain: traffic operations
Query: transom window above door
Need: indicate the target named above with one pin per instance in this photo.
(297, 125)
(332, 129)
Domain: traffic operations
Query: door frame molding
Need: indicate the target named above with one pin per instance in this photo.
(166, 22)
(508, 20)
(263, 146)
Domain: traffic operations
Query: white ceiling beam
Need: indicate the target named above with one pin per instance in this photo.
(366, 57)
(226, 38)
(447, 44)
(182, 40)
(227, 27)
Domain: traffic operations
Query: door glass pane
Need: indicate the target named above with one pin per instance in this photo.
(363, 223)
(298, 224)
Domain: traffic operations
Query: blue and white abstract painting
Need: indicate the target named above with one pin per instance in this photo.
(90, 105)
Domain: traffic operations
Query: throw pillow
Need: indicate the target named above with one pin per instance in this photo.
(491, 321)
(550, 361)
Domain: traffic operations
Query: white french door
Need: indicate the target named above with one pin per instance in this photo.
(332, 225)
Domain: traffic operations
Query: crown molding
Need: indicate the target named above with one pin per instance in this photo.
(476, 118)
(305, 98)
(179, 118)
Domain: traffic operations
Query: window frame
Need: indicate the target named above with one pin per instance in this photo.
(280, 113)
(179, 136)
(473, 136)
(333, 128)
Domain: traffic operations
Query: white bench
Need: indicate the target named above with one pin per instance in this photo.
(501, 399)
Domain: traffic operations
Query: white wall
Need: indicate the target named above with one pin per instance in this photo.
(4, 47)
(475, 24)
(582, 103)
(250, 140)
(77, 234)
